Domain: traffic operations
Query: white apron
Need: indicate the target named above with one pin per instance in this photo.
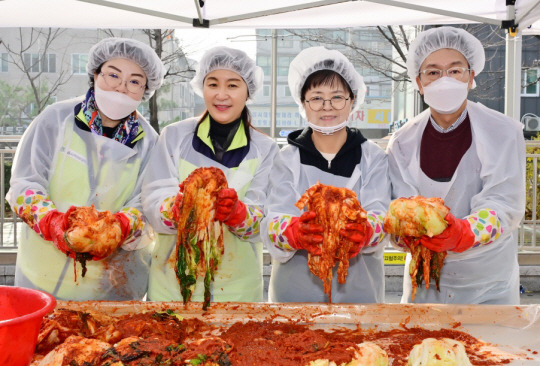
(239, 275)
(292, 281)
(475, 276)
(87, 169)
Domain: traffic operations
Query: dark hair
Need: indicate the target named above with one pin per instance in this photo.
(245, 116)
(97, 71)
(324, 77)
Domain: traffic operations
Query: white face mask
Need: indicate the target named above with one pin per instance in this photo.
(328, 130)
(113, 104)
(445, 95)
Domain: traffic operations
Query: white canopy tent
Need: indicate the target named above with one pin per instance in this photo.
(521, 16)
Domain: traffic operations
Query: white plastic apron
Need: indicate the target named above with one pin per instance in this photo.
(292, 281)
(477, 275)
(239, 275)
(88, 169)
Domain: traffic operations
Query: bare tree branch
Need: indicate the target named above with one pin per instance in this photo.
(39, 42)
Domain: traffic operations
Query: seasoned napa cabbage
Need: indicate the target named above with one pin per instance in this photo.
(439, 352)
(416, 216)
(365, 354)
(369, 354)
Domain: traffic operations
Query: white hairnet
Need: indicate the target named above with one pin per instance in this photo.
(225, 58)
(435, 39)
(133, 50)
(314, 59)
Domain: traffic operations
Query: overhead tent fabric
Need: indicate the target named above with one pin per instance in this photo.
(260, 14)
(167, 14)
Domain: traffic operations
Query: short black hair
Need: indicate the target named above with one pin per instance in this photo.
(324, 77)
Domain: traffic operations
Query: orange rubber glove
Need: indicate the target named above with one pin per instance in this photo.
(53, 226)
(124, 225)
(359, 234)
(457, 237)
(303, 233)
(229, 209)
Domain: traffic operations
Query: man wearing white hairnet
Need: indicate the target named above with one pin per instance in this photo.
(474, 159)
(222, 137)
(89, 151)
(328, 90)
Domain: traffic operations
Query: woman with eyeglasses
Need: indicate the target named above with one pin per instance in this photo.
(328, 90)
(87, 151)
(472, 157)
(222, 137)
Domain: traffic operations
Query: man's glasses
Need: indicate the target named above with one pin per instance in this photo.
(337, 102)
(113, 81)
(457, 73)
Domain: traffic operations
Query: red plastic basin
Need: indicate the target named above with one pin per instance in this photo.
(21, 313)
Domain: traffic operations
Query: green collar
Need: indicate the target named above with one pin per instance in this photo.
(239, 139)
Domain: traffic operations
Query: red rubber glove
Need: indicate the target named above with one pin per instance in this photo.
(457, 237)
(359, 234)
(175, 209)
(124, 225)
(303, 233)
(53, 226)
(229, 209)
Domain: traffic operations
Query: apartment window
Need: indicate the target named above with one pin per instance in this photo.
(266, 90)
(287, 91)
(265, 63)
(386, 90)
(283, 63)
(48, 63)
(4, 62)
(78, 63)
(340, 37)
(530, 82)
(31, 62)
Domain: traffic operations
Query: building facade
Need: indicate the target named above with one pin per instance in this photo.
(374, 115)
(51, 64)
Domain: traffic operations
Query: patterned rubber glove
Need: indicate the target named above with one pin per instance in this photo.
(457, 236)
(175, 209)
(229, 209)
(359, 234)
(303, 233)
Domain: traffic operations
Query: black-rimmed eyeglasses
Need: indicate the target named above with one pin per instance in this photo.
(317, 103)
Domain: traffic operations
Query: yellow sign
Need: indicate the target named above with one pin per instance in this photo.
(379, 116)
(394, 258)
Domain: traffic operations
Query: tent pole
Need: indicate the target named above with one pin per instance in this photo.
(273, 94)
(512, 90)
(199, 13)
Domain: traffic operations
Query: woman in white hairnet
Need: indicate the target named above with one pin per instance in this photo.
(222, 137)
(89, 150)
(473, 158)
(328, 90)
